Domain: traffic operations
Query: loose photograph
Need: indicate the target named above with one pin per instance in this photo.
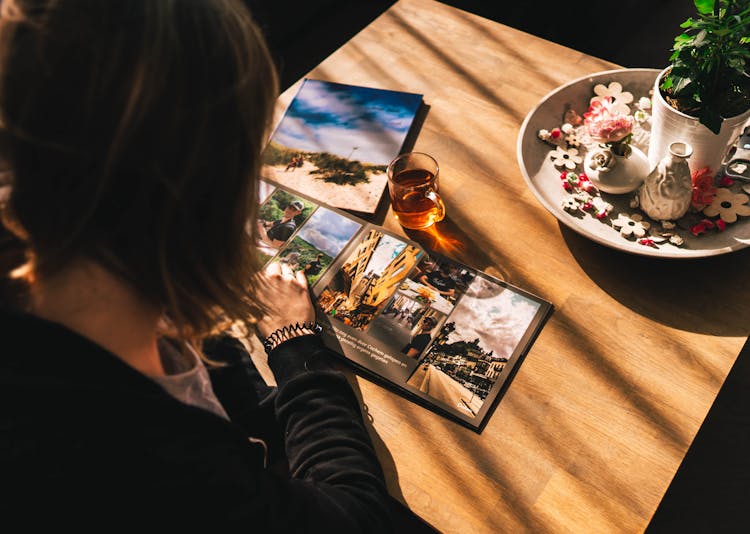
(318, 242)
(470, 352)
(367, 279)
(279, 218)
(335, 142)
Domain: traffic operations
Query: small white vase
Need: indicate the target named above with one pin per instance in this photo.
(667, 191)
(616, 174)
(668, 125)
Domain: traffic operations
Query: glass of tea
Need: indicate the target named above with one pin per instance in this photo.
(413, 186)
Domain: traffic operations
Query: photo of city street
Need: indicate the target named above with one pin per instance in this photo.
(471, 350)
(402, 321)
(431, 379)
(368, 277)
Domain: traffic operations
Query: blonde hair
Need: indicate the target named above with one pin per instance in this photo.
(134, 131)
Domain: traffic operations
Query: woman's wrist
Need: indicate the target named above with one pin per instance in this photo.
(290, 331)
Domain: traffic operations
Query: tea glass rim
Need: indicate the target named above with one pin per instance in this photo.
(413, 153)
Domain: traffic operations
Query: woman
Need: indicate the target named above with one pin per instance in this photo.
(133, 131)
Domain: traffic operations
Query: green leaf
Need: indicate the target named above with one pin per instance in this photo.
(681, 84)
(710, 119)
(679, 71)
(704, 7)
(702, 24)
(687, 24)
(667, 83)
(736, 63)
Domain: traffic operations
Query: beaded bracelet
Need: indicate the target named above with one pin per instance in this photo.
(288, 332)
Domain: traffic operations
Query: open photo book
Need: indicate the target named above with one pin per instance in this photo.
(437, 332)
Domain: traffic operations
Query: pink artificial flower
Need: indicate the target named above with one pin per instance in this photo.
(721, 225)
(708, 223)
(604, 124)
(647, 241)
(726, 181)
(703, 188)
(555, 133)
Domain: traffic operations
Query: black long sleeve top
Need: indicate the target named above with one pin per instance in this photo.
(86, 440)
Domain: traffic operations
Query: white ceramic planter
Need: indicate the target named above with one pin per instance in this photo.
(669, 125)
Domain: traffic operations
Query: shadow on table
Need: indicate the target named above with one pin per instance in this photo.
(687, 294)
(448, 238)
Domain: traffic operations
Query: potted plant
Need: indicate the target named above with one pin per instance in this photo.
(703, 97)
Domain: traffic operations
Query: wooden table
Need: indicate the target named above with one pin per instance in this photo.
(607, 402)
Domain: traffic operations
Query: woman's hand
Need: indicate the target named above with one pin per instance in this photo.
(285, 295)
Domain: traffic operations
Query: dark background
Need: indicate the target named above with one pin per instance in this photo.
(708, 493)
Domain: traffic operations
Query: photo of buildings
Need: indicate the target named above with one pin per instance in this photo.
(403, 318)
(473, 347)
(368, 277)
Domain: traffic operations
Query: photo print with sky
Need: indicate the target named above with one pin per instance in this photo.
(335, 142)
(318, 242)
(474, 345)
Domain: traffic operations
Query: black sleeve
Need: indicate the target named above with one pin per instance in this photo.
(243, 393)
(327, 445)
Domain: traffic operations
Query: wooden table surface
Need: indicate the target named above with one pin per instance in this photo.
(604, 407)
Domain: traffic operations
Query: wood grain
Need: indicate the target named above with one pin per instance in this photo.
(607, 402)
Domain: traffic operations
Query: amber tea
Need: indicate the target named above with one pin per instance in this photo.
(413, 189)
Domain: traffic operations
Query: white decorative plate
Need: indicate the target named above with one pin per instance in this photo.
(543, 179)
